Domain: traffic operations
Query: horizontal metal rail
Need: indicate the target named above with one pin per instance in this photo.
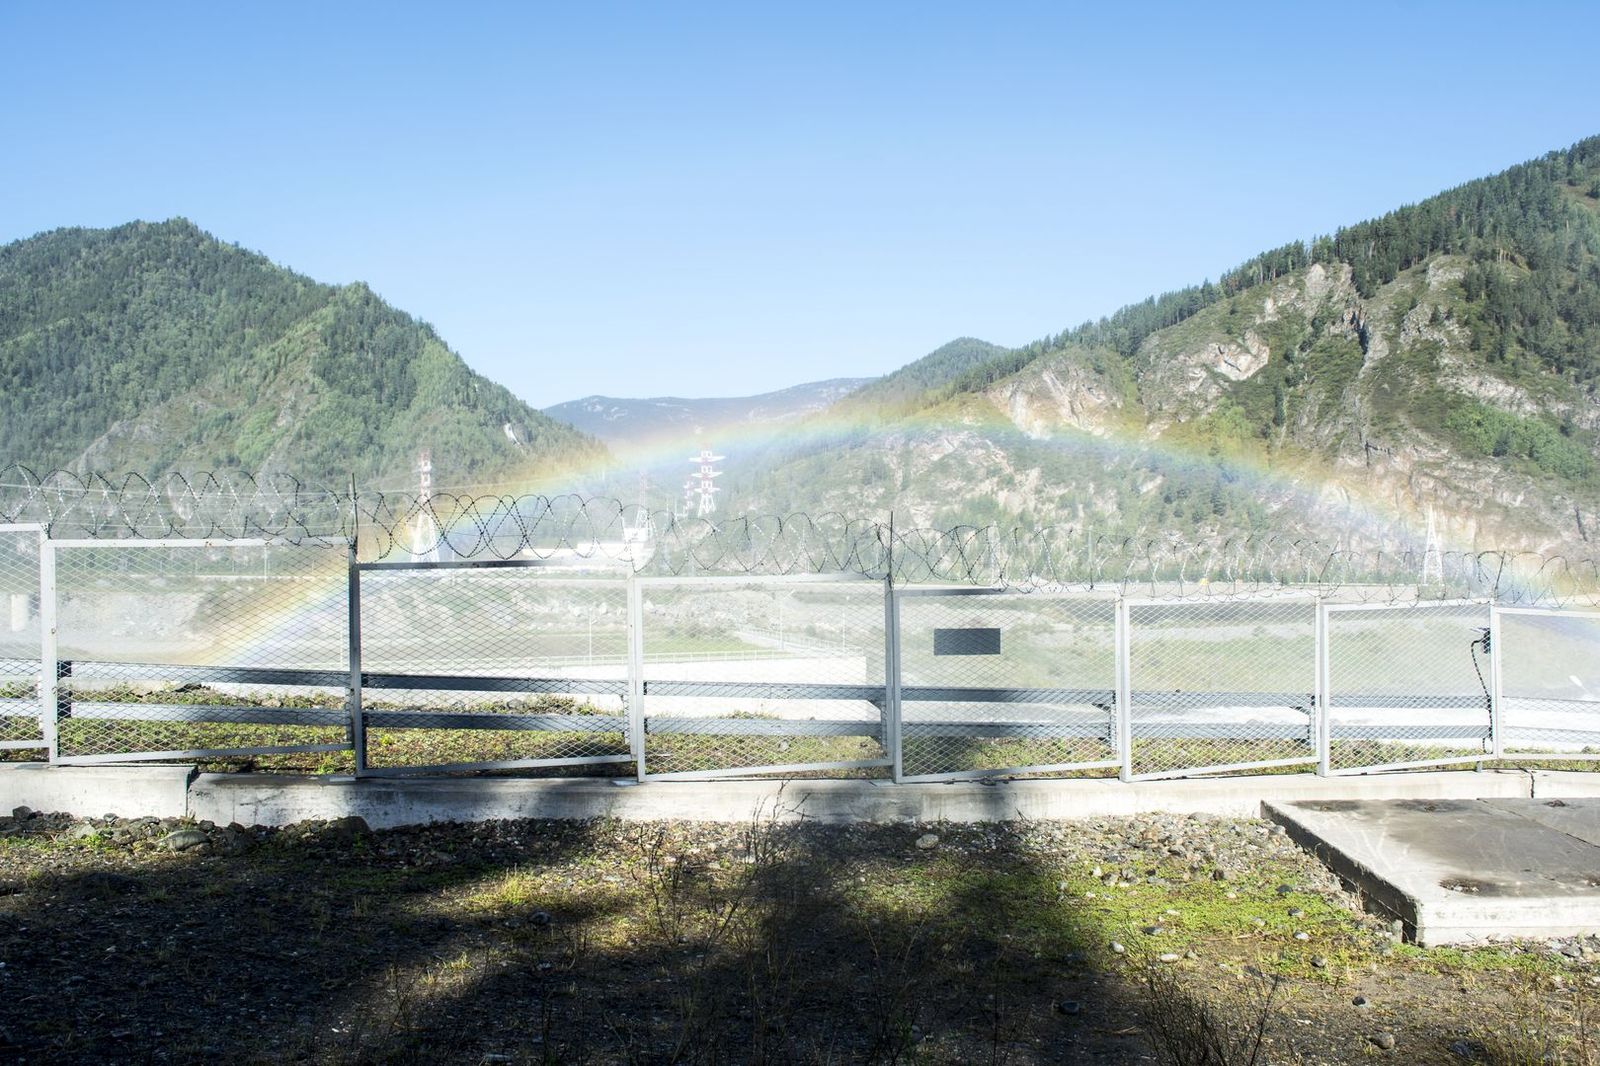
(673, 725)
(552, 723)
(198, 753)
(219, 714)
(496, 683)
(458, 564)
(764, 690)
(219, 675)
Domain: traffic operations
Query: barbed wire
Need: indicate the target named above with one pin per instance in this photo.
(598, 532)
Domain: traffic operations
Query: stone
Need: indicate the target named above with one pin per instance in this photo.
(184, 840)
(232, 842)
(1118, 949)
(1361, 1001)
(22, 814)
(1070, 1007)
(1384, 1041)
(349, 829)
(84, 831)
(927, 840)
(540, 918)
(1168, 956)
(1318, 962)
(1302, 936)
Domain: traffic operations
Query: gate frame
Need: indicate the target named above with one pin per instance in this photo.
(57, 670)
(1497, 682)
(47, 634)
(1115, 726)
(886, 701)
(1318, 712)
(360, 679)
(1492, 701)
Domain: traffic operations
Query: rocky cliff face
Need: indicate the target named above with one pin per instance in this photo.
(1298, 406)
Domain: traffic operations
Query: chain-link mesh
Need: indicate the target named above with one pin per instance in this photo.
(1549, 682)
(1407, 684)
(741, 674)
(491, 668)
(179, 651)
(1222, 685)
(21, 729)
(1006, 682)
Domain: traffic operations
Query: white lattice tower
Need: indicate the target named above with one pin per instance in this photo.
(1432, 557)
(424, 530)
(700, 491)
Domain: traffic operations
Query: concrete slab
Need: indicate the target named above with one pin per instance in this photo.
(1461, 871)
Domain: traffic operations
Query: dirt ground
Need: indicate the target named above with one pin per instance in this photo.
(770, 942)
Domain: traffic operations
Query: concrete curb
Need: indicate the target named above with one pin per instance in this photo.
(269, 799)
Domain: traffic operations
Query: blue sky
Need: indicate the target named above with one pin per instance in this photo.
(703, 200)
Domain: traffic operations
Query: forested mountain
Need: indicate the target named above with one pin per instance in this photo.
(154, 346)
(1444, 356)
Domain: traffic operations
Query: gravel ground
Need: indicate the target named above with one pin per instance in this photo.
(545, 941)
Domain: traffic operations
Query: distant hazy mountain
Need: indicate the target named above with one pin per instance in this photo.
(626, 424)
(154, 347)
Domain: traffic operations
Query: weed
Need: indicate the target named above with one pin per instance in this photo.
(1186, 1029)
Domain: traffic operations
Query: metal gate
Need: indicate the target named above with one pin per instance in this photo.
(761, 675)
(995, 682)
(22, 635)
(1221, 685)
(177, 649)
(1407, 685)
(489, 665)
(1547, 693)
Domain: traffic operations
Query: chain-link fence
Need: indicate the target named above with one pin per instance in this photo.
(751, 675)
(22, 727)
(1408, 685)
(468, 667)
(1222, 685)
(228, 621)
(174, 649)
(1548, 665)
(996, 682)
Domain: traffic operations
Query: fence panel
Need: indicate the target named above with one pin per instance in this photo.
(1221, 685)
(21, 644)
(187, 649)
(995, 682)
(492, 666)
(763, 675)
(1549, 700)
(1408, 685)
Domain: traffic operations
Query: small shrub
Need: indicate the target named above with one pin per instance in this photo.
(1187, 1030)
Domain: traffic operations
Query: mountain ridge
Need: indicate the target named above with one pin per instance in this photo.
(155, 346)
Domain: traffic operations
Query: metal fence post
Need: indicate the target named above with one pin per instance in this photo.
(1123, 710)
(892, 724)
(1324, 695)
(358, 721)
(636, 674)
(1496, 724)
(49, 664)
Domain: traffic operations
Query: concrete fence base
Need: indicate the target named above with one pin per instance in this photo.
(269, 799)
